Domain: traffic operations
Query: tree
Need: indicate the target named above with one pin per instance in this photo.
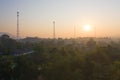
(8, 45)
(6, 67)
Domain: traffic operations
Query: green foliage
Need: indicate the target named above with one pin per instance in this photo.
(6, 67)
(8, 45)
(61, 61)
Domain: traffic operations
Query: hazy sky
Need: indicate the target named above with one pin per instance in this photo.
(36, 17)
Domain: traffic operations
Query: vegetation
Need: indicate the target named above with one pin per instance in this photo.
(58, 60)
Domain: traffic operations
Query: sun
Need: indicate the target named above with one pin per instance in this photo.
(87, 28)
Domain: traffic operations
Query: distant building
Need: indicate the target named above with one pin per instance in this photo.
(31, 39)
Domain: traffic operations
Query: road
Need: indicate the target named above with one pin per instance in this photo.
(26, 53)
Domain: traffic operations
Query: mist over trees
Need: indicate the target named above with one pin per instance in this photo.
(60, 59)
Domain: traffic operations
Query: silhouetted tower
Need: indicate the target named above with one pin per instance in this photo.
(74, 31)
(95, 32)
(17, 24)
(54, 29)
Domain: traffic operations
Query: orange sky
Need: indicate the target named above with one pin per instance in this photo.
(37, 16)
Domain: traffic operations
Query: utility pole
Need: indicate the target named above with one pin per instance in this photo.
(54, 36)
(17, 24)
(95, 32)
(74, 32)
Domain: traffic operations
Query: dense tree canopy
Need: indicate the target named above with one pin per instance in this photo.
(60, 60)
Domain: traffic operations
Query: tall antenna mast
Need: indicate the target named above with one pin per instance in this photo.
(95, 32)
(74, 31)
(54, 29)
(17, 24)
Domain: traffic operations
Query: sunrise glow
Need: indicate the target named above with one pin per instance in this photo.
(36, 18)
(87, 28)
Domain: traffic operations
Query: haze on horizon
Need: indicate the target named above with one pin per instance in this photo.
(36, 17)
